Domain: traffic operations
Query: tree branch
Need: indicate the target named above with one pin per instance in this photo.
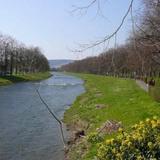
(84, 47)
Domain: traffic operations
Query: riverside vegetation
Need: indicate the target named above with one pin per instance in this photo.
(5, 80)
(110, 103)
(21, 63)
(142, 143)
(122, 101)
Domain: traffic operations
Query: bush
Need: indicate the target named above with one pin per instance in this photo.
(142, 143)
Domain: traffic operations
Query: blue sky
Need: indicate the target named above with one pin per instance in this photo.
(49, 24)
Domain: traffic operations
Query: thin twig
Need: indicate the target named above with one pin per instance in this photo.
(106, 38)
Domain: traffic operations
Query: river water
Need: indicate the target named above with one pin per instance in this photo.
(27, 130)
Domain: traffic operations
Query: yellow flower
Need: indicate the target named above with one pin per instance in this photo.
(119, 137)
(114, 150)
(139, 158)
(140, 138)
(155, 118)
(112, 140)
(158, 122)
(125, 142)
(134, 137)
(129, 144)
(135, 126)
(108, 141)
(120, 130)
(141, 122)
(128, 138)
(144, 132)
(121, 148)
(150, 144)
(147, 120)
(154, 124)
(118, 155)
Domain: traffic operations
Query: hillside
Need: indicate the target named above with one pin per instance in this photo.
(59, 62)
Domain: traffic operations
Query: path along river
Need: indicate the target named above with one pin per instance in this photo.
(27, 130)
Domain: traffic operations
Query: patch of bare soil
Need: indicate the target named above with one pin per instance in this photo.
(76, 137)
(98, 94)
(83, 100)
(101, 106)
(110, 127)
(77, 131)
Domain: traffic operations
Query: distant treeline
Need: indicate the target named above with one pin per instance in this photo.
(140, 56)
(17, 58)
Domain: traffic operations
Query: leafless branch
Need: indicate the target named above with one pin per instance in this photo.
(85, 8)
(84, 47)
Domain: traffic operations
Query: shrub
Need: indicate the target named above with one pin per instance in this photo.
(142, 143)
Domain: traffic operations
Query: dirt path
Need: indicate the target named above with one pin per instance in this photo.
(142, 85)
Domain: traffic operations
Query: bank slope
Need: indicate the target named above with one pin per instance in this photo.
(5, 80)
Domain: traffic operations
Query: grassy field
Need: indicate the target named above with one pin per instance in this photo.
(5, 80)
(124, 102)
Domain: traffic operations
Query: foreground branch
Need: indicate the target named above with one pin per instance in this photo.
(85, 47)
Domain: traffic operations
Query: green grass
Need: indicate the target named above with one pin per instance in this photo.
(5, 80)
(125, 102)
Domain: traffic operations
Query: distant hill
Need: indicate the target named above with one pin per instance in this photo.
(59, 62)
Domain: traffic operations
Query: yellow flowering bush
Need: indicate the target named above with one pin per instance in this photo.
(142, 143)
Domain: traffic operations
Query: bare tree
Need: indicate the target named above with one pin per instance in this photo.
(139, 56)
(17, 58)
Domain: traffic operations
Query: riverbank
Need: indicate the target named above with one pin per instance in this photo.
(26, 122)
(5, 80)
(106, 99)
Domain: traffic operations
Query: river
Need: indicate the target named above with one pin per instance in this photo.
(27, 130)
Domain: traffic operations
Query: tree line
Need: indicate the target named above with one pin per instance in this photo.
(16, 58)
(139, 56)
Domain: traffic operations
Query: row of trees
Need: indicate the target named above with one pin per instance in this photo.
(17, 58)
(140, 56)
